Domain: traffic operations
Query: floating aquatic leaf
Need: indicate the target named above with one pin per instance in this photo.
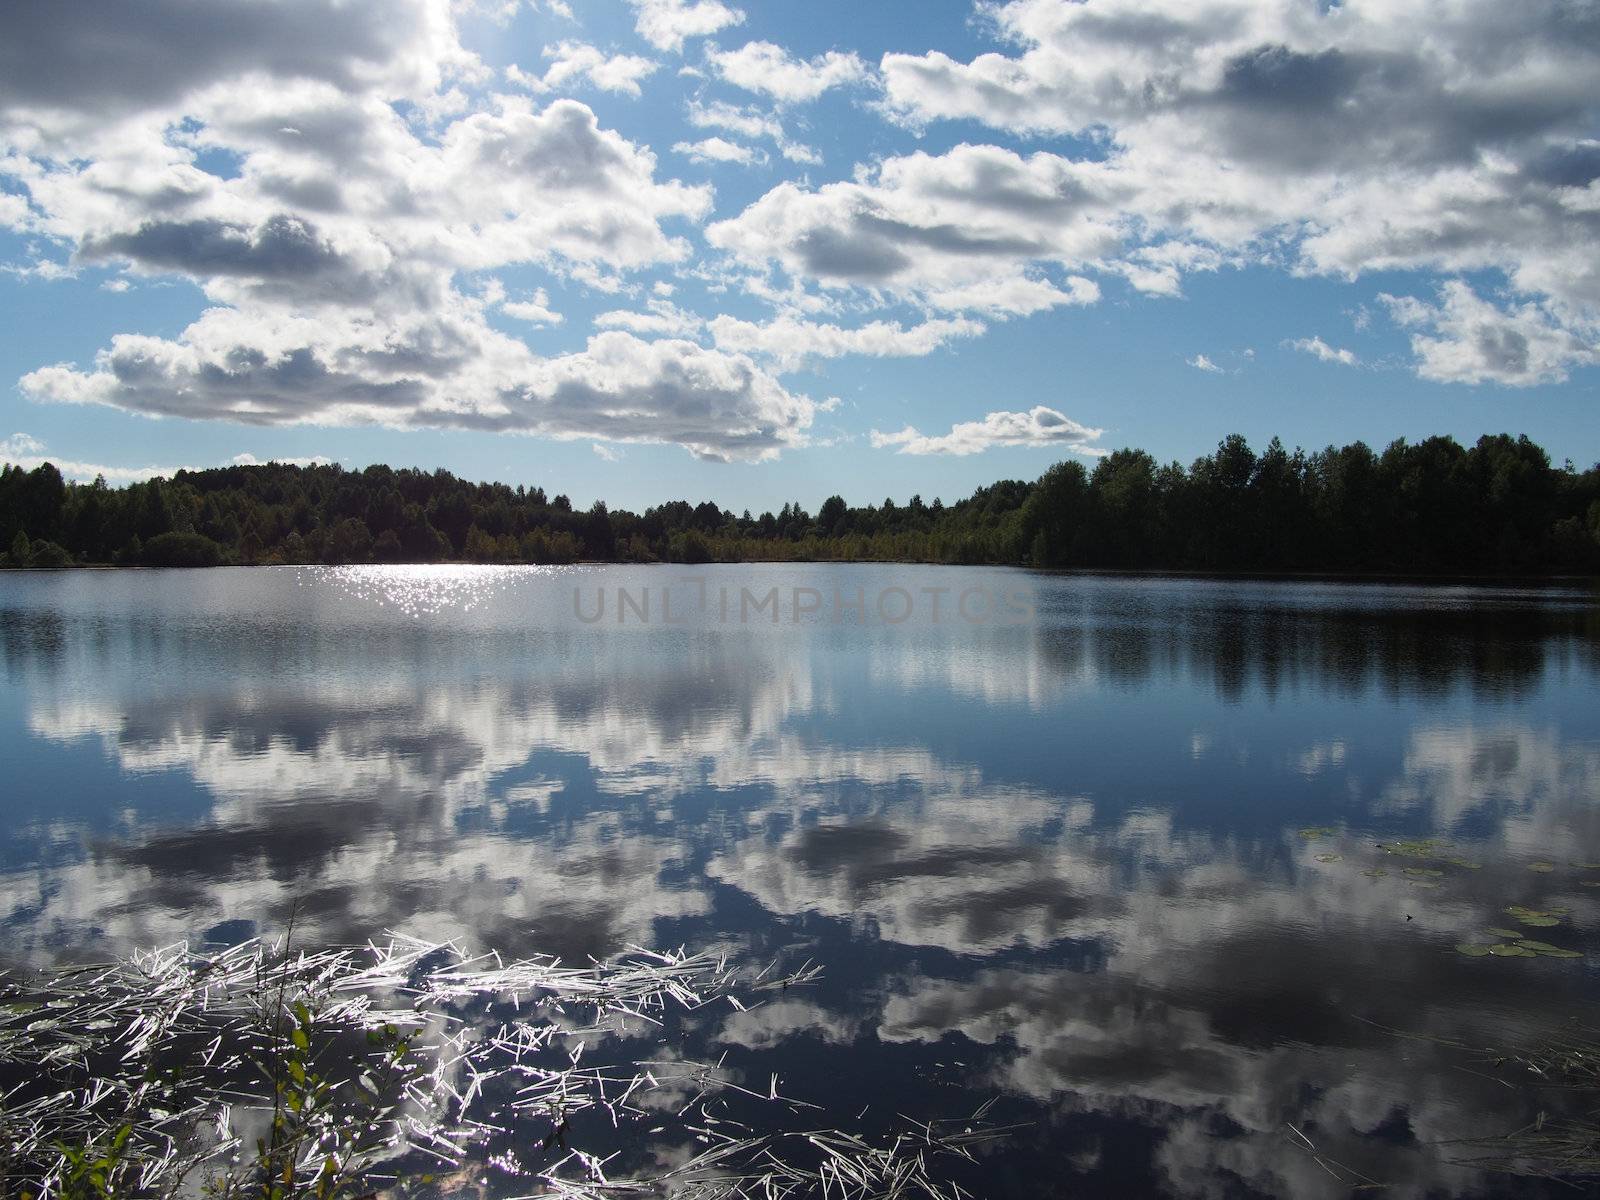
(1505, 950)
(1503, 933)
(1329, 857)
(1558, 911)
(1413, 849)
(1585, 866)
(1546, 949)
(1375, 873)
(1472, 949)
(1589, 883)
(1541, 866)
(1422, 871)
(1533, 916)
(1463, 862)
(1317, 831)
(1423, 883)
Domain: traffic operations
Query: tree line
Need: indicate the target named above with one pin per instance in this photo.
(1432, 506)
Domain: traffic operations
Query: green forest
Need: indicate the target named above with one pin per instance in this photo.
(1429, 507)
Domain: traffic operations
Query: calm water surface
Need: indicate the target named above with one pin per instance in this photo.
(1061, 862)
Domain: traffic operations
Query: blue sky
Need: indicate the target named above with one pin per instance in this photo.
(932, 245)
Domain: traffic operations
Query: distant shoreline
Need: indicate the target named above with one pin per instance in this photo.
(1433, 510)
(1306, 576)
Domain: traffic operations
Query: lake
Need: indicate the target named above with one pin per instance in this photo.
(1170, 867)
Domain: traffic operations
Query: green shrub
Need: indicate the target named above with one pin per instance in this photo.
(182, 550)
(131, 554)
(690, 546)
(49, 554)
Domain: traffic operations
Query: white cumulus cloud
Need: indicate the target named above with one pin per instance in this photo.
(367, 184)
(19, 445)
(1320, 349)
(667, 24)
(535, 309)
(1464, 338)
(1040, 426)
(769, 68)
(1339, 138)
(791, 339)
(751, 123)
(718, 406)
(574, 62)
(975, 222)
(721, 150)
(661, 316)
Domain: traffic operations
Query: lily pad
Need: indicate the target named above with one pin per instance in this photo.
(1532, 916)
(1414, 849)
(1422, 871)
(1329, 857)
(1472, 949)
(1375, 873)
(1317, 831)
(1541, 866)
(1503, 933)
(1423, 883)
(1547, 950)
(1506, 950)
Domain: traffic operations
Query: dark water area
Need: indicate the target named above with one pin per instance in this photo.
(1112, 855)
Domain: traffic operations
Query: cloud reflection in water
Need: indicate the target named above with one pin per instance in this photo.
(1070, 849)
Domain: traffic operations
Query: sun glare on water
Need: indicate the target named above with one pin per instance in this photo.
(423, 589)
